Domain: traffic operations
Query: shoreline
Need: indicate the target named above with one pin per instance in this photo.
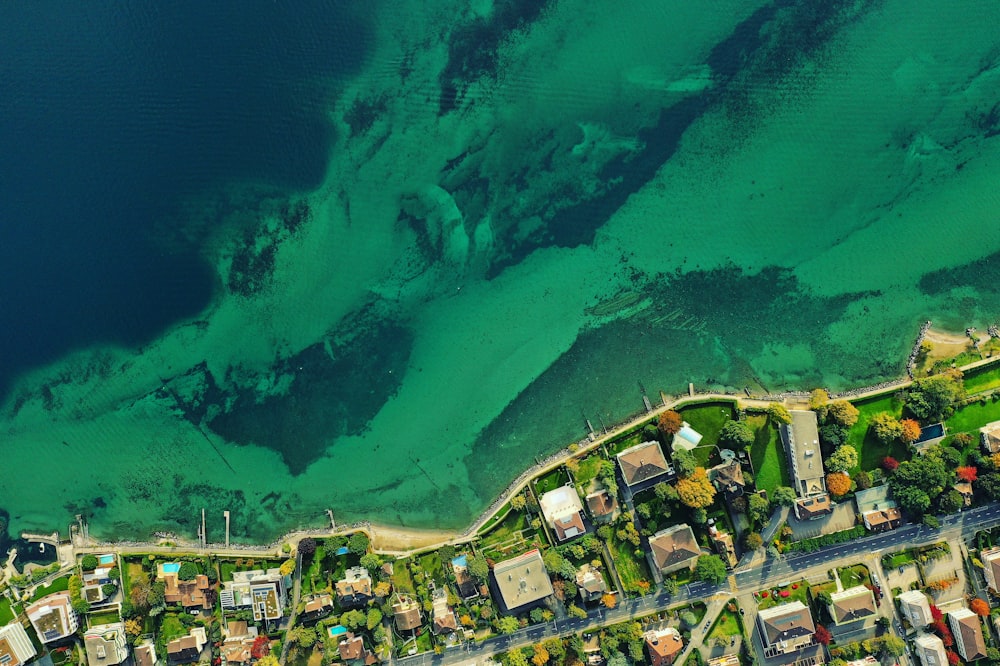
(401, 541)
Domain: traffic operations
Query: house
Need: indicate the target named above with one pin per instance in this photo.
(237, 648)
(53, 617)
(930, 649)
(463, 579)
(801, 442)
(642, 462)
(991, 567)
(663, 645)
(855, 603)
(882, 520)
(915, 608)
(686, 438)
(353, 651)
(967, 629)
(563, 511)
(521, 581)
(785, 628)
(355, 588)
(878, 512)
(590, 582)
(674, 548)
(602, 506)
(964, 489)
(811, 508)
(15, 646)
(989, 438)
(444, 621)
(197, 594)
(722, 542)
(316, 607)
(187, 649)
(106, 644)
(145, 654)
(406, 613)
(728, 479)
(261, 591)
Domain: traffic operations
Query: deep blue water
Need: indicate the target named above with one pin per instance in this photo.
(112, 116)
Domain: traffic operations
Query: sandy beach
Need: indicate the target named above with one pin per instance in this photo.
(401, 539)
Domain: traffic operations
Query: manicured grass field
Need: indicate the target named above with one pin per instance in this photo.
(587, 471)
(972, 417)
(6, 612)
(870, 450)
(767, 455)
(108, 617)
(431, 565)
(797, 591)
(551, 481)
(726, 625)
(58, 585)
(631, 569)
(854, 576)
(171, 628)
(401, 579)
(983, 380)
(708, 419)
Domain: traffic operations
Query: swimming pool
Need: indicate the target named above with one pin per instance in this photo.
(171, 567)
(107, 559)
(337, 630)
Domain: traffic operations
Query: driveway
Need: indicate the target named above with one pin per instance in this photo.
(842, 518)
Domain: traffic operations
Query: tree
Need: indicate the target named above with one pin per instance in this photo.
(287, 567)
(818, 398)
(838, 483)
(516, 657)
(89, 562)
(890, 464)
(912, 499)
(696, 491)
(373, 619)
(909, 431)
(261, 646)
(779, 413)
(609, 600)
(950, 501)
(670, 422)
(753, 541)
(863, 480)
(967, 473)
(508, 624)
(541, 656)
(689, 618)
(710, 568)
(822, 635)
(371, 561)
(358, 543)
(758, 509)
(353, 619)
(953, 659)
(990, 485)
(188, 571)
(670, 586)
(842, 413)
(518, 503)
(307, 546)
(783, 496)
(553, 560)
(665, 492)
(684, 462)
(979, 607)
(575, 611)
(933, 398)
(382, 589)
(886, 428)
(831, 436)
(931, 522)
(114, 573)
(893, 645)
(843, 459)
(736, 434)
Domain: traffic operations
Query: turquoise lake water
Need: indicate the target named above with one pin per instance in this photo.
(381, 257)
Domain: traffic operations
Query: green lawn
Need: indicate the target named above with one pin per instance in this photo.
(58, 585)
(6, 612)
(511, 537)
(870, 450)
(496, 519)
(972, 417)
(767, 455)
(587, 471)
(171, 628)
(726, 625)
(708, 419)
(431, 566)
(631, 569)
(401, 579)
(108, 617)
(551, 481)
(983, 380)
(797, 591)
(897, 559)
(854, 576)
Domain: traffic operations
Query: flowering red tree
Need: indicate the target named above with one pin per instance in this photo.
(261, 647)
(822, 635)
(952, 658)
(935, 613)
(889, 464)
(966, 473)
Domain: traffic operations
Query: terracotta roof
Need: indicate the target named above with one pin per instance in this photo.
(318, 604)
(352, 647)
(601, 503)
(673, 546)
(852, 604)
(144, 655)
(237, 651)
(728, 478)
(969, 634)
(642, 462)
(188, 593)
(812, 507)
(883, 519)
(568, 527)
(406, 612)
(236, 628)
(445, 621)
(663, 645)
(355, 587)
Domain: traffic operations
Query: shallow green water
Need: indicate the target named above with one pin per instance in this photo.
(511, 241)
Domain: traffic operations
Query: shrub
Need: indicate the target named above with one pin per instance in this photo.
(89, 562)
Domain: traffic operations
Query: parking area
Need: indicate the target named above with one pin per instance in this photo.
(842, 518)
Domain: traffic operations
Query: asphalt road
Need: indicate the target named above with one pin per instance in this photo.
(768, 573)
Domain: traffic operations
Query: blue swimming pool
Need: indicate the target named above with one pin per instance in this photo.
(107, 559)
(171, 567)
(337, 630)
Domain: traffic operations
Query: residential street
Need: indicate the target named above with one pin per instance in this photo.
(761, 575)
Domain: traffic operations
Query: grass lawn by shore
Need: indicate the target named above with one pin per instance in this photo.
(767, 455)
(707, 419)
(972, 417)
(551, 481)
(58, 585)
(983, 380)
(587, 471)
(870, 450)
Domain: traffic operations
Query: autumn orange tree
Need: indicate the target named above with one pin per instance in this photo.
(610, 601)
(670, 422)
(979, 607)
(838, 483)
(967, 473)
(910, 431)
(696, 491)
